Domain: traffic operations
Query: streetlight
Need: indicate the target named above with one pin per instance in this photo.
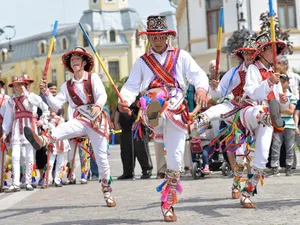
(8, 35)
(240, 15)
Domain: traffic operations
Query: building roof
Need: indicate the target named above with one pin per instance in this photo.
(124, 19)
(29, 47)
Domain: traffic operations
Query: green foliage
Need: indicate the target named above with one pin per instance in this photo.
(237, 40)
(112, 98)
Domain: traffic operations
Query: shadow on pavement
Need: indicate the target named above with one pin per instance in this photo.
(106, 222)
(17, 212)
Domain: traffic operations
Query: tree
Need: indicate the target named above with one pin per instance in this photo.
(282, 35)
(112, 98)
(237, 40)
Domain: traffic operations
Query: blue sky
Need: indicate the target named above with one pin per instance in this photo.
(31, 17)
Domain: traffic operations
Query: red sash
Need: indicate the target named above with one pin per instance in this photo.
(88, 90)
(21, 112)
(164, 74)
(265, 75)
(239, 90)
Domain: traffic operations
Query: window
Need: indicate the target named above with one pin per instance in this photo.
(287, 13)
(113, 67)
(137, 38)
(212, 19)
(112, 36)
(54, 76)
(42, 48)
(3, 56)
(85, 41)
(64, 44)
(67, 75)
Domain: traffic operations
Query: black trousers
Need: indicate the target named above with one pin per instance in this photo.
(141, 152)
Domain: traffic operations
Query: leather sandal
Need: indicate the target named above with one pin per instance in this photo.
(247, 205)
(169, 218)
(236, 192)
(153, 110)
(110, 202)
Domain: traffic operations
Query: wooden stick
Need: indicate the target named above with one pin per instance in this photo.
(2, 167)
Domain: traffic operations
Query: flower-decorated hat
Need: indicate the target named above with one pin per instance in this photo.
(157, 25)
(27, 78)
(17, 80)
(79, 51)
(263, 42)
(249, 45)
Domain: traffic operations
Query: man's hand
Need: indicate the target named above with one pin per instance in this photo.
(2, 139)
(43, 85)
(297, 131)
(95, 110)
(283, 98)
(214, 84)
(201, 98)
(39, 123)
(275, 78)
(123, 107)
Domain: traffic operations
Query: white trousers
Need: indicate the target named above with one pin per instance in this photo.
(174, 140)
(214, 113)
(74, 128)
(263, 135)
(161, 164)
(2, 167)
(16, 155)
(58, 167)
(187, 157)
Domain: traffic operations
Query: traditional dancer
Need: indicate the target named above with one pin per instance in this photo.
(262, 86)
(3, 101)
(57, 151)
(161, 73)
(85, 93)
(20, 112)
(232, 82)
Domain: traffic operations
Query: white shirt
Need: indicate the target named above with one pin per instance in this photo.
(294, 83)
(141, 76)
(63, 96)
(3, 106)
(31, 103)
(225, 87)
(258, 89)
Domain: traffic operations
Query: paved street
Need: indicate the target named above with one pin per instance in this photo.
(205, 201)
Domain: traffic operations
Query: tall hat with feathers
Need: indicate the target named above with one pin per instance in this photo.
(249, 45)
(157, 25)
(263, 42)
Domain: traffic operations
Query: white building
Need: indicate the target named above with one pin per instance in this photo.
(198, 21)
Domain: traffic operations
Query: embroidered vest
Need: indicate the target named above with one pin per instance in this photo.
(238, 91)
(164, 75)
(21, 112)
(88, 90)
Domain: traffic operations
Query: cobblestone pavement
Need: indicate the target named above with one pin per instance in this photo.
(204, 201)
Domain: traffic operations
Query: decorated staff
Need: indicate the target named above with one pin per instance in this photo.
(101, 63)
(273, 34)
(46, 68)
(50, 49)
(2, 165)
(221, 15)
